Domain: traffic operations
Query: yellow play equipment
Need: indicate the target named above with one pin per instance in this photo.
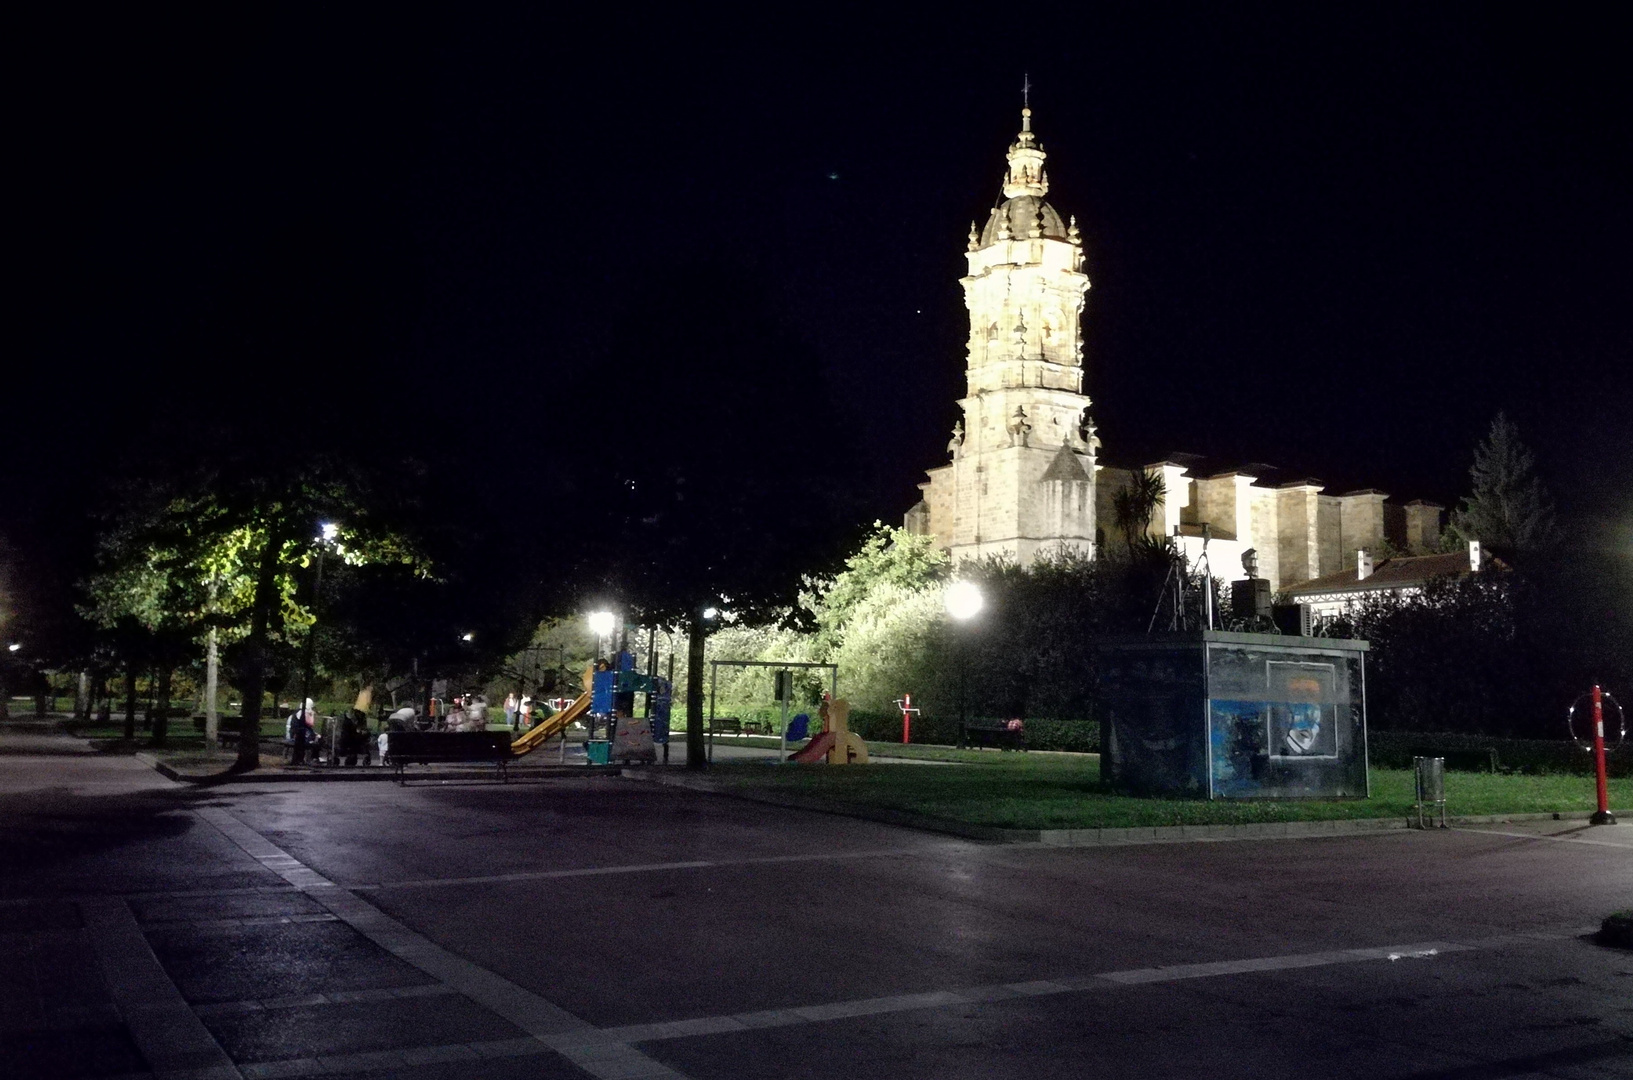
(550, 726)
(838, 744)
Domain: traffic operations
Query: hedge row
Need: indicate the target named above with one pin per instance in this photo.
(1386, 749)
(1396, 749)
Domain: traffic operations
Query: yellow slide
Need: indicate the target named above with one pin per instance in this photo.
(551, 726)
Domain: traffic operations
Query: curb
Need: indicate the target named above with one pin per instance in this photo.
(360, 774)
(1091, 837)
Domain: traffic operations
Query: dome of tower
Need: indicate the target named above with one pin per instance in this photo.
(1021, 212)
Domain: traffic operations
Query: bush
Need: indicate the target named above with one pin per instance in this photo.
(1395, 750)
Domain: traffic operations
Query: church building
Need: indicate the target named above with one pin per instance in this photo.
(1024, 477)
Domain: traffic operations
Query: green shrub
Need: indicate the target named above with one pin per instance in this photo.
(1395, 750)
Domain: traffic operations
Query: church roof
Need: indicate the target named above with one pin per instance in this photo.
(1021, 212)
(1066, 467)
(1401, 572)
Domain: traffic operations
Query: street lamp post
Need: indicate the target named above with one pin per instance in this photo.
(326, 535)
(964, 602)
(601, 625)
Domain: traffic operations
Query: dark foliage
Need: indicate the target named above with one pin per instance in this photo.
(1500, 653)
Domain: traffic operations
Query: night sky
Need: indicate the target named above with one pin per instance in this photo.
(1337, 242)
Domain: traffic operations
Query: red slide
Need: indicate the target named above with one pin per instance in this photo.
(815, 750)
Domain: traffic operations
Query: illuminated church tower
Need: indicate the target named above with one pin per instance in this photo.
(1021, 479)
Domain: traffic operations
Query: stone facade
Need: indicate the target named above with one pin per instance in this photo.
(1022, 476)
(1025, 477)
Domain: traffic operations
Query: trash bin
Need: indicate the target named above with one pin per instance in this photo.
(1430, 778)
(598, 751)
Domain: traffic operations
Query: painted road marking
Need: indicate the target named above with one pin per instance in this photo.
(976, 995)
(654, 868)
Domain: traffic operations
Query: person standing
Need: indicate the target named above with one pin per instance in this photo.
(511, 708)
(300, 732)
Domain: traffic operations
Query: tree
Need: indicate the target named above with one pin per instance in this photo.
(888, 556)
(1450, 658)
(147, 599)
(1509, 510)
(1135, 503)
(740, 503)
(224, 547)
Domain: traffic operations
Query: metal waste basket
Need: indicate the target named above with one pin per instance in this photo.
(1430, 774)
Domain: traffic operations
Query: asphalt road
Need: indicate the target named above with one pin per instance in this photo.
(599, 927)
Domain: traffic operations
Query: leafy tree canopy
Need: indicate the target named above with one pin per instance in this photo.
(888, 556)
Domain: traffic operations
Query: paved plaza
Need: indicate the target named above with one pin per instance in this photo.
(572, 927)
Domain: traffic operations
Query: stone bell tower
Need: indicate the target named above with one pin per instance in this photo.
(1021, 479)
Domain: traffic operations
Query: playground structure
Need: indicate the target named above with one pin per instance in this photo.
(784, 693)
(551, 726)
(609, 699)
(837, 744)
(612, 701)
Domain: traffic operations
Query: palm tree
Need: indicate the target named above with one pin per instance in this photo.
(1136, 503)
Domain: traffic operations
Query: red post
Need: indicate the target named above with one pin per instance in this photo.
(1603, 816)
(907, 717)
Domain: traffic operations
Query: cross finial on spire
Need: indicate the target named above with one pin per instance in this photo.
(1025, 175)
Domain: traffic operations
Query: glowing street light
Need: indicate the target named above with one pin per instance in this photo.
(327, 531)
(14, 646)
(467, 637)
(602, 624)
(964, 600)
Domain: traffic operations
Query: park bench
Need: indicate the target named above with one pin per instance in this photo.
(404, 748)
(727, 725)
(994, 733)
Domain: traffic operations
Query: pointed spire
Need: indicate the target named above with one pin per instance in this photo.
(975, 239)
(1073, 235)
(1026, 175)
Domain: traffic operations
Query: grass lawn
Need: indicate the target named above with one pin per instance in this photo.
(1036, 791)
(915, 751)
(180, 732)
